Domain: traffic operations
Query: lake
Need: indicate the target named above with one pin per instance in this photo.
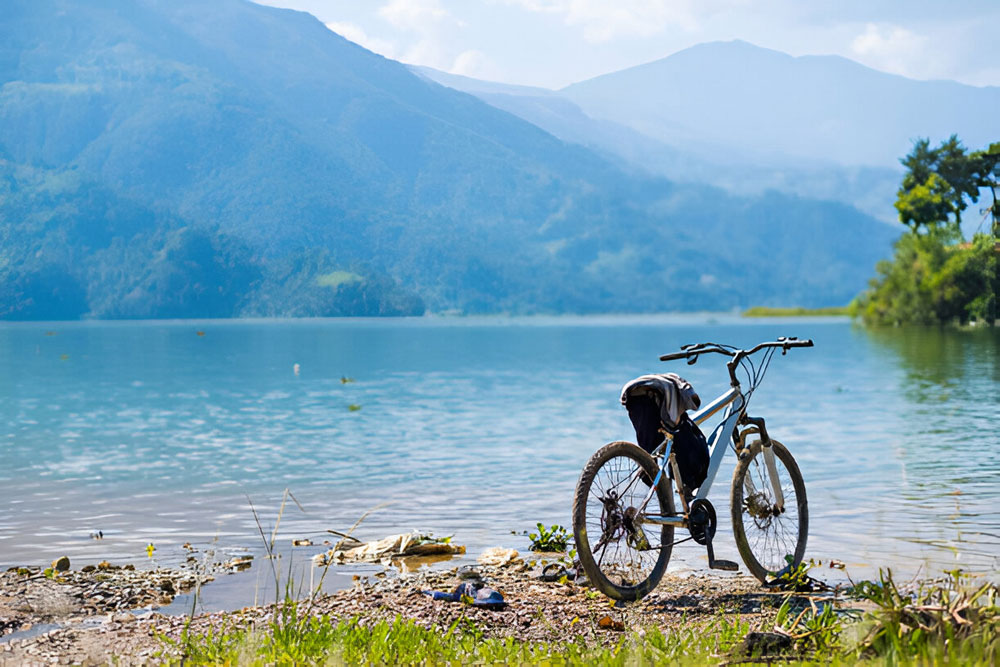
(476, 427)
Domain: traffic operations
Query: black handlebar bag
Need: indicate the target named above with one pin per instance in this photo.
(690, 445)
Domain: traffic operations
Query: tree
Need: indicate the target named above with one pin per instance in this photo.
(941, 182)
(988, 168)
(933, 279)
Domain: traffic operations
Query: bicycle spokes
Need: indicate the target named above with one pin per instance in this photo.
(624, 551)
(772, 531)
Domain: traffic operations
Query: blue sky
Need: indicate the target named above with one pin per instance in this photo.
(553, 43)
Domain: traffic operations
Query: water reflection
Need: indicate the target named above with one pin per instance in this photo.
(948, 440)
(937, 361)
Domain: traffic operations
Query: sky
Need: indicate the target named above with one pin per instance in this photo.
(553, 43)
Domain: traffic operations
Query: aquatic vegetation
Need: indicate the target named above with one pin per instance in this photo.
(554, 538)
(765, 311)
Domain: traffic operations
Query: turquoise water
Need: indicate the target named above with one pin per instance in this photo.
(150, 432)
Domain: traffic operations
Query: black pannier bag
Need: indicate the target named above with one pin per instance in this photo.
(690, 446)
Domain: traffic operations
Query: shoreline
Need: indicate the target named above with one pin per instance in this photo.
(92, 617)
(102, 614)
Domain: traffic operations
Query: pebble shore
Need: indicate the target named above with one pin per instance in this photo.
(108, 614)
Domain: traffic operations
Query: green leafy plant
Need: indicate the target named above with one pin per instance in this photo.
(814, 628)
(554, 538)
(795, 578)
(945, 620)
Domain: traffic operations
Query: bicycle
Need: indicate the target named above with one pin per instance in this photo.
(767, 497)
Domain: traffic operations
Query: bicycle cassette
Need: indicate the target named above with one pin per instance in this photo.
(702, 521)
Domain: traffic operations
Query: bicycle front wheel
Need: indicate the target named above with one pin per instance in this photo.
(766, 530)
(623, 557)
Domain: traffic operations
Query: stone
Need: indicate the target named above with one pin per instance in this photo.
(61, 564)
(499, 557)
(763, 644)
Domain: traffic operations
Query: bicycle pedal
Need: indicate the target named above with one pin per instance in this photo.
(727, 565)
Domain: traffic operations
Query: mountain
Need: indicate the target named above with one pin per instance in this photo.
(752, 102)
(181, 158)
(869, 189)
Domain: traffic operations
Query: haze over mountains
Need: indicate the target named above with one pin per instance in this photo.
(750, 119)
(179, 158)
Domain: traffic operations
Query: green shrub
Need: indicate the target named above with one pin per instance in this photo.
(932, 280)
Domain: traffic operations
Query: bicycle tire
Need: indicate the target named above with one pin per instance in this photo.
(754, 513)
(602, 574)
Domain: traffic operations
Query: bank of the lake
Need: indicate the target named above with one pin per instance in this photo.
(388, 619)
(767, 311)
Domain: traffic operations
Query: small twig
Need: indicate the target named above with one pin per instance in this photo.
(358, 523)
(344, 535)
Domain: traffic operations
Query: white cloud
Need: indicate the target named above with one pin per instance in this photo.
(895, 49)
(427, 32)
(357, 34)
(604, 20)
(427, 51)
(470, 63)
(413, 14)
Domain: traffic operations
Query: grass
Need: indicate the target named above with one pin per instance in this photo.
(944, 622)
(318, 640)
(948, 621)
(764, 311)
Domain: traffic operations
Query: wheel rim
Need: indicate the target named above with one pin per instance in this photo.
(771, 533)
(624, 550)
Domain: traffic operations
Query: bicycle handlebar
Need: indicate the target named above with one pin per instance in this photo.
(691, 352)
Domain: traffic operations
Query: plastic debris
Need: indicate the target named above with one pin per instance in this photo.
(391, 547)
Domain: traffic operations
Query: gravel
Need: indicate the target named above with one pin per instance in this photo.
(108, 614)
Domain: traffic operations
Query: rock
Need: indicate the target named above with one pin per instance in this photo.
(499, 557)
(88, 568)
(302, 543)
(167, 586)
(759, 644)
(61, 564)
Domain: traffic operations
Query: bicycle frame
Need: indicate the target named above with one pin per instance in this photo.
(734, 405)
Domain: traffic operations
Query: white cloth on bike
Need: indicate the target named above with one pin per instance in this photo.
(674, 394)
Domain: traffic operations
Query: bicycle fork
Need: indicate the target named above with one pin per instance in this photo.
(772, 468)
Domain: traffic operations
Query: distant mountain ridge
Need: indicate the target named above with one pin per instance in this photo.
(742, 97)
(174, 158)
(750, 119)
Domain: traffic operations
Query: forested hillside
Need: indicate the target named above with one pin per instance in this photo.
(178, 159)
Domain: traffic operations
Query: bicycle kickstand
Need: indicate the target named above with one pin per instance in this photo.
(718, 564)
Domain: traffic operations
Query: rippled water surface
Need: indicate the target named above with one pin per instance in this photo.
(151, 432)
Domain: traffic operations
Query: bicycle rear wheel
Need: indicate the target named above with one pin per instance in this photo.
(628, 558)
(765, 531)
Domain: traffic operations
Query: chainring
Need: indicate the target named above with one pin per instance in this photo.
(702, 521)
